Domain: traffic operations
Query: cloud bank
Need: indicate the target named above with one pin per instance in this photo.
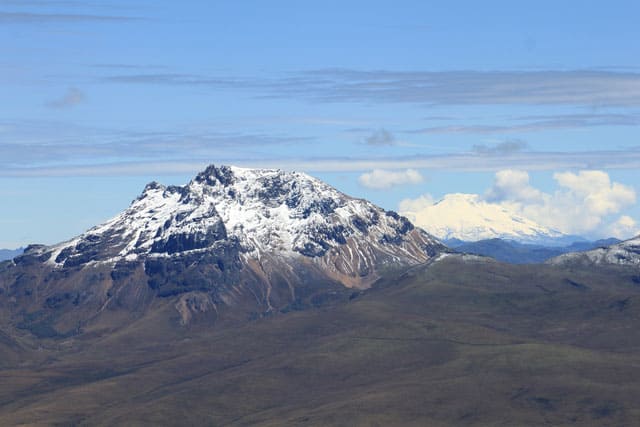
(380, 179)
(580, 205)
(584, 203)
(623, 227)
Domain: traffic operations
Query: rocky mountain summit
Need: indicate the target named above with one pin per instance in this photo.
(262, 239)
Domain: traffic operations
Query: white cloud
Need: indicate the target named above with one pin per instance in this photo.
(380, 179)
(412, 205)
(624, 227)
(409, 207)
(512, 185)
(598, 193)
(582, 204)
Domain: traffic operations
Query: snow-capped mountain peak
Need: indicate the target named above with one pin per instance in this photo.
(467, 217)
(252, 215)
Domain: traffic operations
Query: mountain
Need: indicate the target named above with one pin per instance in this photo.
(232, 243)
(521, 253)
(467, 217)
(625, 253)
(10, 253)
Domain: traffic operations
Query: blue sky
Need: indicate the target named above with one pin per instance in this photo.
(100, 97)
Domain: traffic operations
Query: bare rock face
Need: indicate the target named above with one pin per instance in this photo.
(261, 240)
(192, 303)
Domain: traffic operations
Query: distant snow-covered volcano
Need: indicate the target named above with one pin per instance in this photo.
(469, 218)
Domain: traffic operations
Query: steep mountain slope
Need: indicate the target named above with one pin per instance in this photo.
(467, 217)
(623, 253)
(256, 240)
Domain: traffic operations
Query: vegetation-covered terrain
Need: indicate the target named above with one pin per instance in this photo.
(463, 341)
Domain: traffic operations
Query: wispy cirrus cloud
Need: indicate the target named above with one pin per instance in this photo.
(45, 3)
(501, 148)
(176, 162)
(537, 124)
(33, 145)
(55, 18)
(551, 87)
(121, 66)
(178, 79)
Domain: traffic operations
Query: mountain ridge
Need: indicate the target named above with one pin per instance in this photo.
(521, 253)
(625, 253)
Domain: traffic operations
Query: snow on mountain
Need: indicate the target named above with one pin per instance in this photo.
(252, 216)
(623, 253)
(469, 218)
